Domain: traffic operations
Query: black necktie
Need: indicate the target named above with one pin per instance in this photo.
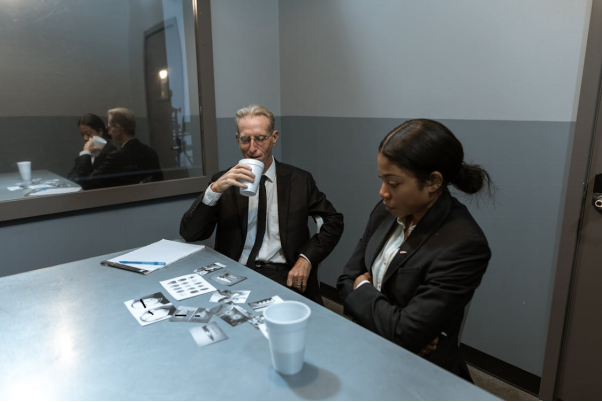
(261, 221)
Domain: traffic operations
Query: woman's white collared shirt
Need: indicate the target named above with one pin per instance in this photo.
(389, 251)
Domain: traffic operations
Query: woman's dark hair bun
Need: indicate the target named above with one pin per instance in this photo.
(423, 146)
(471, 179)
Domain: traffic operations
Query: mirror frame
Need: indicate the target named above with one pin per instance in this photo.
(53, 204)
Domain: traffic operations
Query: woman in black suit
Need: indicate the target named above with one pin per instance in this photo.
(422, 254)
(90, 125)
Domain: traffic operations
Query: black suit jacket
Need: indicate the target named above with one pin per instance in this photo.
(298, 199)
(84, 166)
(131, 164)
(427, 284)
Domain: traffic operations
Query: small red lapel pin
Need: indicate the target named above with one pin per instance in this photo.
(403, 252)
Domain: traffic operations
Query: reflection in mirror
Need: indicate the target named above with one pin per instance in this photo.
(65, 60)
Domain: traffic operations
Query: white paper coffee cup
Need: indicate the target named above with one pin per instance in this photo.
(99, 142)
(286, 324)
(257, 167)
(25, 170)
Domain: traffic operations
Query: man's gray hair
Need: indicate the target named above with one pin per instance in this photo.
(124, 118)
(255, 110)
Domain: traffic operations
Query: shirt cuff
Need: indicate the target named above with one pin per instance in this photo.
(360, 284)
(307, 259)
(82, 153)
(210, 198)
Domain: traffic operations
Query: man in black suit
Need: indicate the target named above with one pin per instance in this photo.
(285, 252)
(131, 163)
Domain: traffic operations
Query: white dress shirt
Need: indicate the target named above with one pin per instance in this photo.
(271, 248)
(386, 255)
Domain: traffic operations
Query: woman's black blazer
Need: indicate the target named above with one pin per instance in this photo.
(427, 284)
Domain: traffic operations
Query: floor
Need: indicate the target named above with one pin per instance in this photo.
(482, 380)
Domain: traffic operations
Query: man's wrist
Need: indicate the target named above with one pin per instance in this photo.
(361, 283)
(211, 197)
(306, 259)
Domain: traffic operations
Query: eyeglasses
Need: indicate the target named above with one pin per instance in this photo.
(259, 139)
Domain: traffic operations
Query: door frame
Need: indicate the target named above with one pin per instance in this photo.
(577, 197)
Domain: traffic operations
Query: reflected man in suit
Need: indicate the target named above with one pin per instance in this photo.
(131, 163)
(287, 253)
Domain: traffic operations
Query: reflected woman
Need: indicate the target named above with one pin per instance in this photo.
(91, 156)
(422, 254)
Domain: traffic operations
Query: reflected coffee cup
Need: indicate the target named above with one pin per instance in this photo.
(99, 142)
(286, 324)
(25, 170)
(257, 168)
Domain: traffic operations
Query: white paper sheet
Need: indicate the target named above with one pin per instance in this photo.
(163, 253)
(185, 286)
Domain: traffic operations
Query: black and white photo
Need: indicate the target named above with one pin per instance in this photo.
(229, 296)
(207, 334)
(258, 322)
(191, 314)
(228, 279)
(150, 309)
(209, 268)
(261, 305)
(232, 314)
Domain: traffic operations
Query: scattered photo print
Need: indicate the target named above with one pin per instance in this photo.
(150, 309)
(191, 314)
(202, 315)
(209, 268)
(208, 334)
(186, 286)
(228, 279)
(259, 323)
(233, 315)
(230, 296)
(261, 305)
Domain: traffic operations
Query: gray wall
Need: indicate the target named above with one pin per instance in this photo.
(246, 63)
(503, 75)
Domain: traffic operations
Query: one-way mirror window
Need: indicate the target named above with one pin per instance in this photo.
(103, 97)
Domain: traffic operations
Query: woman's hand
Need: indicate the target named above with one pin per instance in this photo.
(428, 349)
(89, 146)
(363, 277)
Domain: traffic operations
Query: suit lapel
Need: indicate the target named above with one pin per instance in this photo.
(284, 188)
(378, 239)
(429, 224)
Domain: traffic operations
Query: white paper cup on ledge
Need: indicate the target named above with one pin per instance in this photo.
(286, 324)
(99, 142)
(257, 167)
(25, 170)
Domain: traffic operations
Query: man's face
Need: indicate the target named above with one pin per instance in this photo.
(254, 129)
(113, 130)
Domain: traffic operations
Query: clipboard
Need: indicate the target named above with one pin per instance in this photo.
(146, 259)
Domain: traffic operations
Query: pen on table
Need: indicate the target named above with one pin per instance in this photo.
(143, 262)
(37, 190)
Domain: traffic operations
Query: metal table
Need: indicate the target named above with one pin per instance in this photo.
(66, 334)
(59, 183)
